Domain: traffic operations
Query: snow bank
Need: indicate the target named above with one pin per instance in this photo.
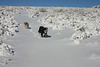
(8, 25)
(6, 50)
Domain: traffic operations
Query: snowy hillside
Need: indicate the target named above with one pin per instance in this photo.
(74, 41)
(85, 21)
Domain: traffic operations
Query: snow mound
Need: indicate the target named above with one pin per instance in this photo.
(5, 49)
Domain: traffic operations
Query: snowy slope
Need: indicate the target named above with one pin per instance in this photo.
(61, 50)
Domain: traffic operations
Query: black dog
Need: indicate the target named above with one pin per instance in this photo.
(43, 31)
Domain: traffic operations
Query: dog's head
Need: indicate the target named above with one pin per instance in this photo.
(25, 23)
(45, 30)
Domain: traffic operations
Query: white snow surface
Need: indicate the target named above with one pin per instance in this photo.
(74, 41)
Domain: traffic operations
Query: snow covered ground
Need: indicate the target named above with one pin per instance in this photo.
(74, 41)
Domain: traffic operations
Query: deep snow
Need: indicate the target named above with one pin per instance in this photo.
(58, 51)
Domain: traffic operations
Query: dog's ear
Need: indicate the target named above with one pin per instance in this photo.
(25, 23)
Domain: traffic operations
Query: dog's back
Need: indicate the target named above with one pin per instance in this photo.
(40, 29)
(26, 25)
